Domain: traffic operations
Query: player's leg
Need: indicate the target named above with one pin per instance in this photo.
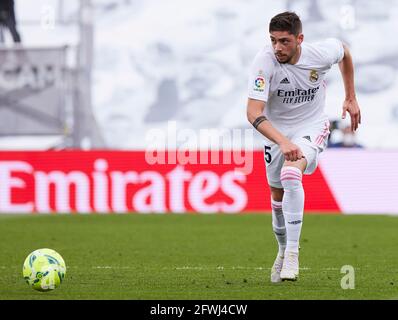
(293, 201)
(312, 141)
(278, 220)
(279, 228)
(293, 211)
(274, 160)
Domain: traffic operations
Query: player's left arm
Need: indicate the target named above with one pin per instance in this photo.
(350, 105)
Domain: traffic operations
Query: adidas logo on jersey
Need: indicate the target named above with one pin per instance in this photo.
(285, 81)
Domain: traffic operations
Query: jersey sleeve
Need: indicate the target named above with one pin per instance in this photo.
(260, 77)
(334, 51)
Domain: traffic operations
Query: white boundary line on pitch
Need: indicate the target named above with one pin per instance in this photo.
(220, 268)
(193, 268)
(245, 268)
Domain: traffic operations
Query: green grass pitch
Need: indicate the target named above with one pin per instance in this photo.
(223, 257)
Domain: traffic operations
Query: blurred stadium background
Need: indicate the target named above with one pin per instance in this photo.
(94, 86)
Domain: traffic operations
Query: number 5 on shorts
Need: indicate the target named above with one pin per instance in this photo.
(267, 155)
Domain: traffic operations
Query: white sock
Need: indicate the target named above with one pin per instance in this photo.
(293, 205)
(278, 225)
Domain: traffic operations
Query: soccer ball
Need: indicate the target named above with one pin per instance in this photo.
(44, 269)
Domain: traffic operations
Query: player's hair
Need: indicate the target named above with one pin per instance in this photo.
(286, 21)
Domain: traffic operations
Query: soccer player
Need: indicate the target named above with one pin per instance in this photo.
(286, 105)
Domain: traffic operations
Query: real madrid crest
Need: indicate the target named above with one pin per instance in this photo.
(314, 76)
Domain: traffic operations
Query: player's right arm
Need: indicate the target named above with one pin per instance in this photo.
(255, 115)
(259, 85)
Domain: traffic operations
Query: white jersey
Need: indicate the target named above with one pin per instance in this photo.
(295, 94)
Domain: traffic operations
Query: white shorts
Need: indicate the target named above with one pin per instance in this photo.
(312, 140)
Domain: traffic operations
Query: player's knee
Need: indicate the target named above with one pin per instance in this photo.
(291, 178)
(276, 194)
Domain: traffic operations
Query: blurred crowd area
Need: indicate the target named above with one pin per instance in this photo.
(160, 61)
(341, 136)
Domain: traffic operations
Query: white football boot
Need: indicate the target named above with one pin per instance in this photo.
(290, 268)
(276, 269)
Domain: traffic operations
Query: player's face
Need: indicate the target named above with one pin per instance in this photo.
(286, 45)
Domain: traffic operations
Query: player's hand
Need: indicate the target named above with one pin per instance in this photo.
(291, 151)
(351, 106)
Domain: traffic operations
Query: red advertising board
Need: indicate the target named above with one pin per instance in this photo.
(122, 182)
